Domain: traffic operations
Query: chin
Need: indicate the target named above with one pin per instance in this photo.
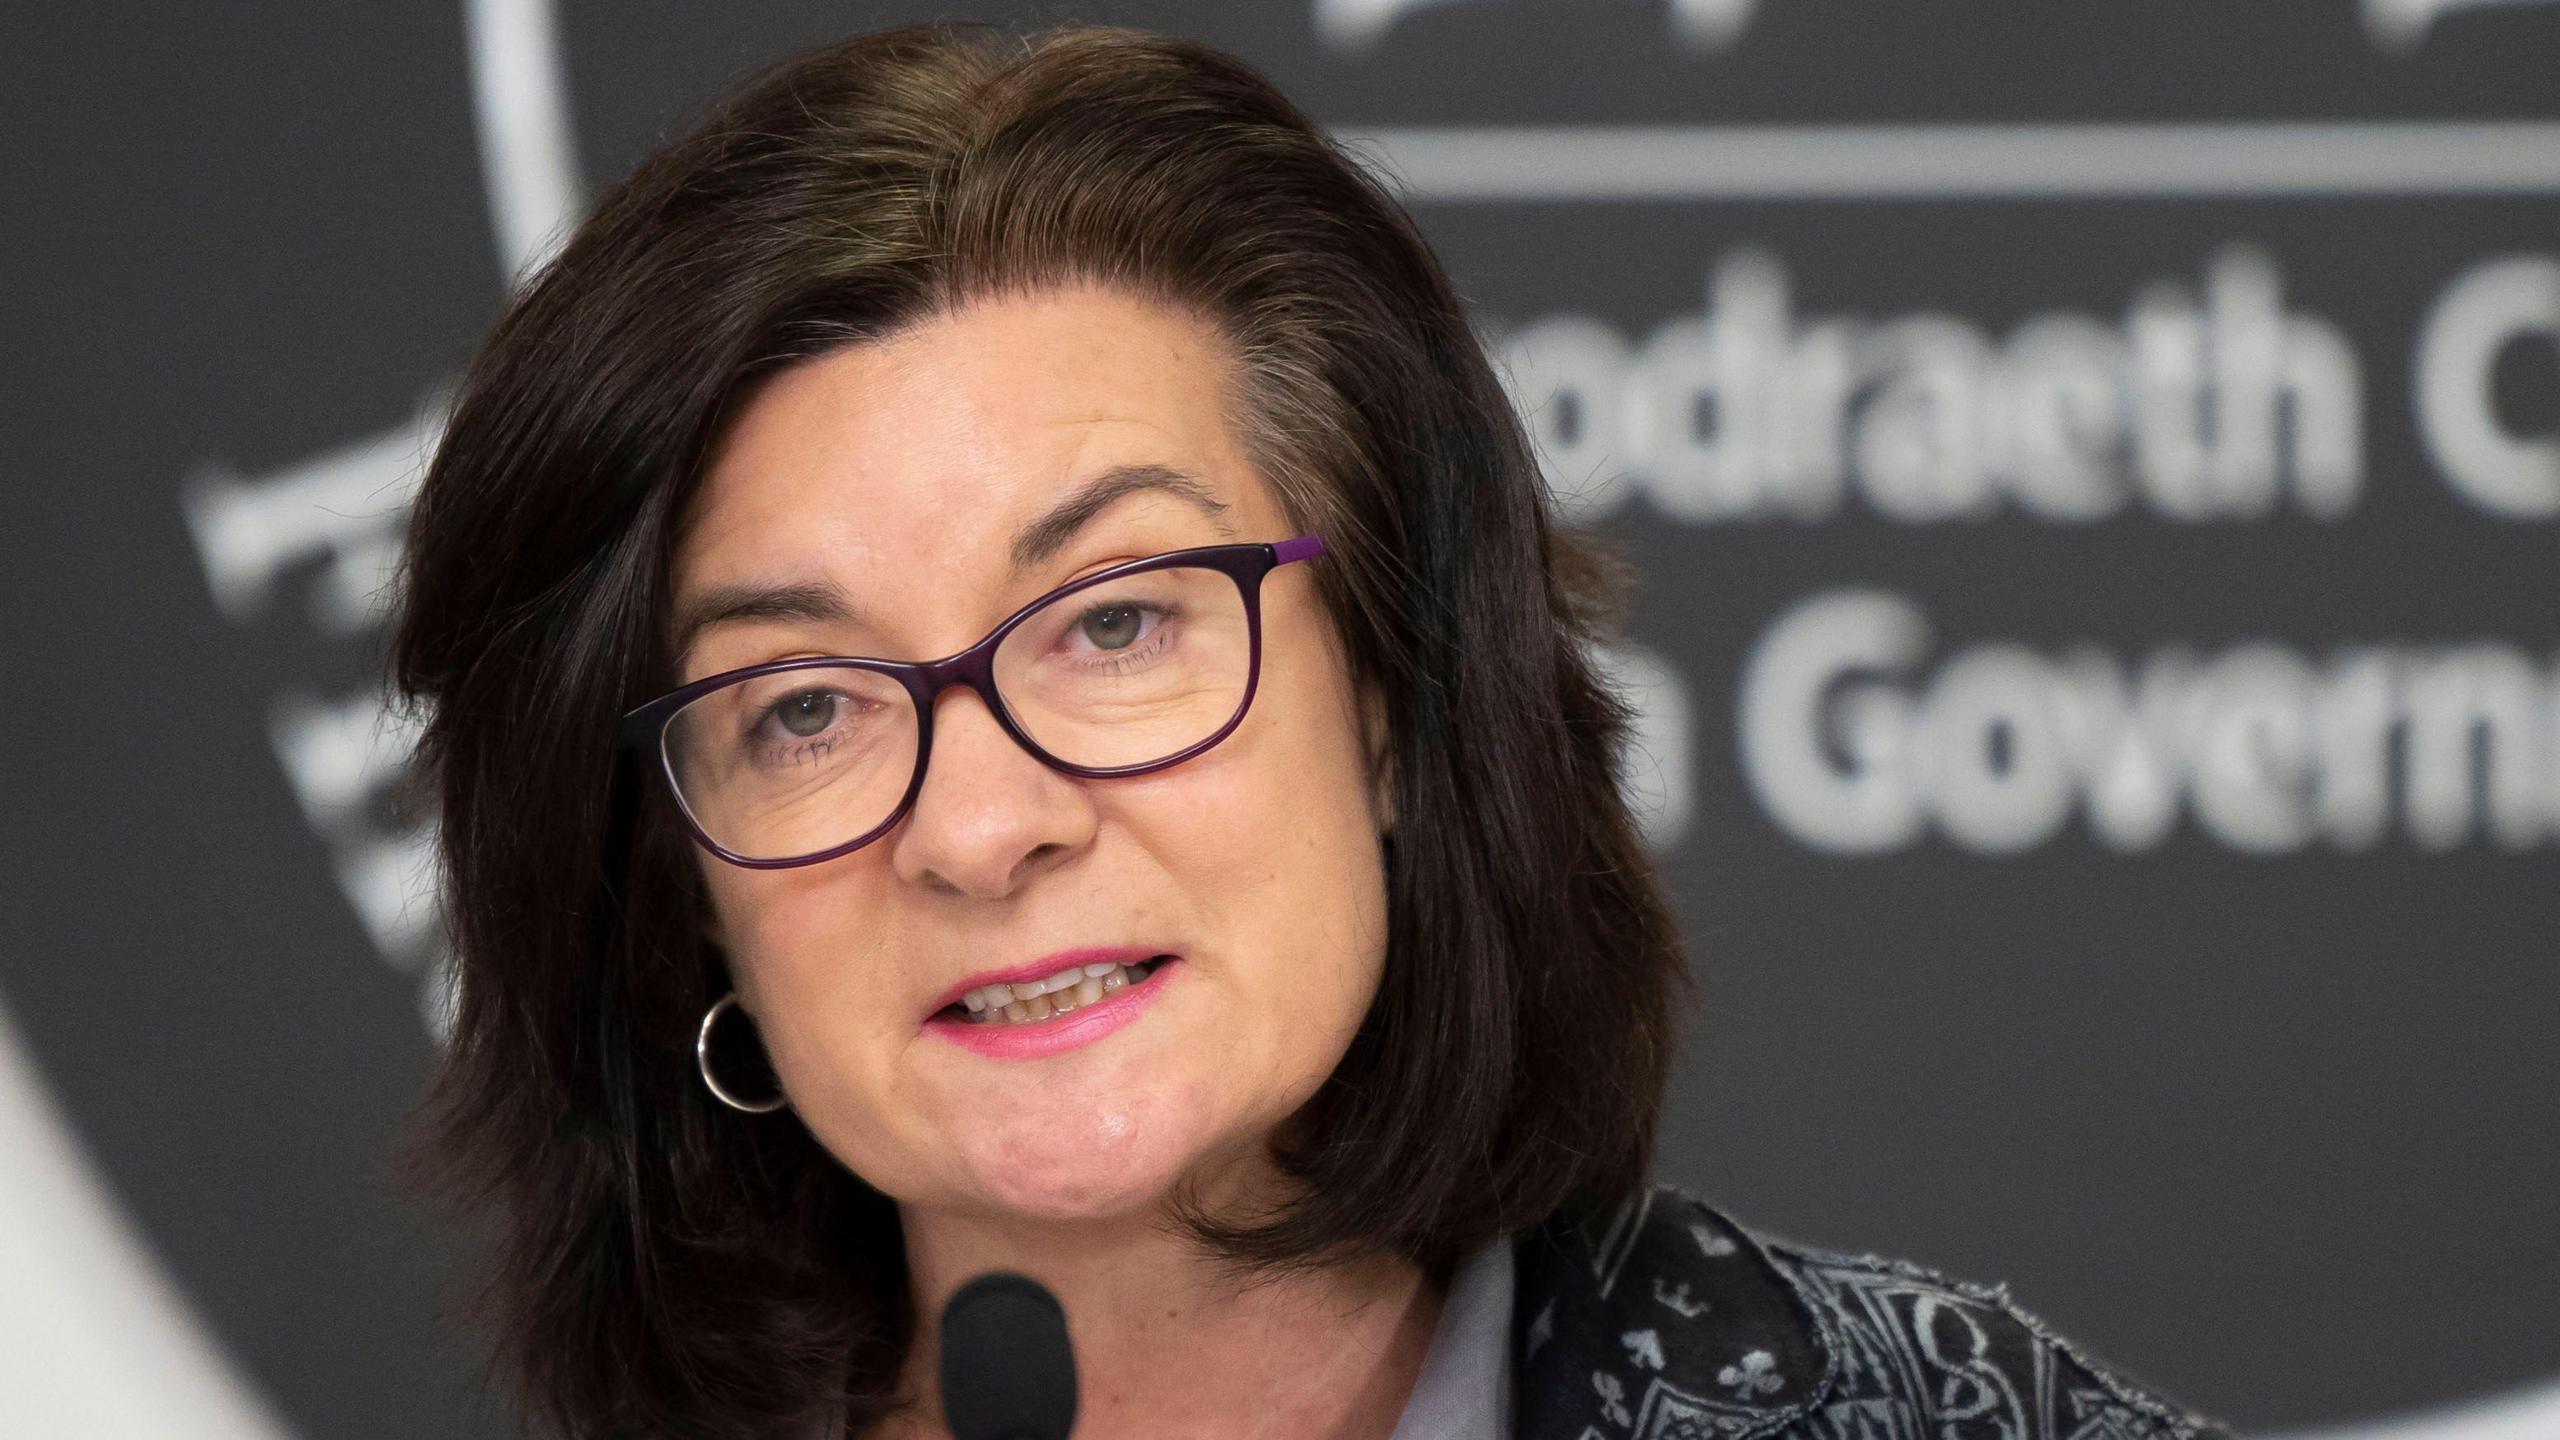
(1102, 1162)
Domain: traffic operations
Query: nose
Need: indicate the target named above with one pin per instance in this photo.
(990, 815)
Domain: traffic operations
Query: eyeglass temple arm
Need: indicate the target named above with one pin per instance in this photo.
(1301, 548)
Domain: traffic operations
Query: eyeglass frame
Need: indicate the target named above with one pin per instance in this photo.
(644, 726)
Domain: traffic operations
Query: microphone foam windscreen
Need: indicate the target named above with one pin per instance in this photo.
(1007, 1370)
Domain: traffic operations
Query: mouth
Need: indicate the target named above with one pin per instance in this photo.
(1048, 998)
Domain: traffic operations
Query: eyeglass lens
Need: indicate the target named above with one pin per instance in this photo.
(1129, 672)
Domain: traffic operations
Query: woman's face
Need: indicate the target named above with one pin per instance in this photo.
(897, 475)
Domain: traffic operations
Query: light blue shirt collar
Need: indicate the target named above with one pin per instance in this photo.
(1464, 1391)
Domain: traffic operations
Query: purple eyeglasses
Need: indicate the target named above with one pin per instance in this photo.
(1124, 672)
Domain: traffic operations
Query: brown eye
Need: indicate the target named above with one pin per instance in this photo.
(807, 713)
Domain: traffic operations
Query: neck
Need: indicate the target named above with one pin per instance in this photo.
(1169, 1342)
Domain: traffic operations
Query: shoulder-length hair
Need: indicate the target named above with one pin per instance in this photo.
(657, 1262)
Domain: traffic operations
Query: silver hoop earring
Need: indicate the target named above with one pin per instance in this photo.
(702, 1062)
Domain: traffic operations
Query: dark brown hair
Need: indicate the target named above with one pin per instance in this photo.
(659, 1264)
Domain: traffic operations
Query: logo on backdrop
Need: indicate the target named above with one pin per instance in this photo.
(330, 529)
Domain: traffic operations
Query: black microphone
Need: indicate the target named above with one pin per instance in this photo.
(1007, 1370)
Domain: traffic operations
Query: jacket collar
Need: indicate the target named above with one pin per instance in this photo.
(1660, 1315)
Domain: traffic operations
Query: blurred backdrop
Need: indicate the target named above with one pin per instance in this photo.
(2094, 468)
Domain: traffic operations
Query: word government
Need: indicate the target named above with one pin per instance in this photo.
(1851, 747)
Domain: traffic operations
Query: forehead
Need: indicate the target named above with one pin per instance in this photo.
(933, 445)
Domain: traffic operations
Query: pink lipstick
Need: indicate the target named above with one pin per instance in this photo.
(1053, 1004)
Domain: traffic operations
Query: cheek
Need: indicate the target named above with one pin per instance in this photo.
(1287, 853)
(811, 960)
(1331, 976)
(1300, 906)
(775, 926)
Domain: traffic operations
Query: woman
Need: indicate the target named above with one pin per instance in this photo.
(1238, 930)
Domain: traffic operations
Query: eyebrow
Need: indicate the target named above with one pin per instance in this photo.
(824, 602)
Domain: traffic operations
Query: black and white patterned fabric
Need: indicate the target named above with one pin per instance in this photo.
(1666, 1320)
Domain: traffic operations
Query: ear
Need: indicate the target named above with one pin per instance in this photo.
(1376, 741)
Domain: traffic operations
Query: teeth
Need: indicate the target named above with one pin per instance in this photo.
(1060, 994)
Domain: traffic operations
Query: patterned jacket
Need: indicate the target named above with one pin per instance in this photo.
(1666, 1320)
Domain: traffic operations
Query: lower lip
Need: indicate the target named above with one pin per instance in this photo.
(1030, 1040)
